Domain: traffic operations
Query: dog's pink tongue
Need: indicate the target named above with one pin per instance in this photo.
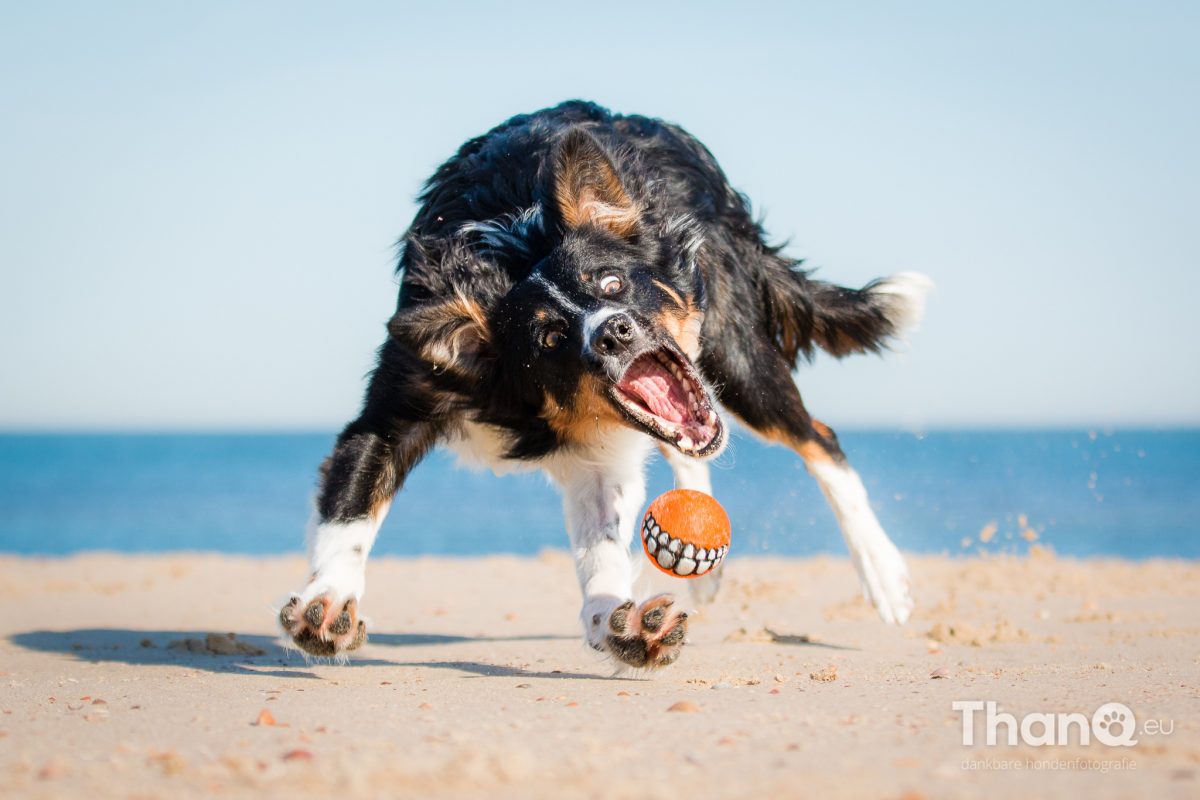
(657, 388)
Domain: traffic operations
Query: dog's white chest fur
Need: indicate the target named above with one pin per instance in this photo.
(480, 446)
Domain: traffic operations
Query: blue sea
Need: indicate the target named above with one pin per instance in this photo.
(1133, 494)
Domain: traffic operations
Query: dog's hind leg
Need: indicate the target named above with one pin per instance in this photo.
(602, 497)
(881, 568)
(692, 473)
(769, 403)
(358, 480)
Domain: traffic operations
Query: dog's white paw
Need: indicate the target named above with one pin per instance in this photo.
(322, 621)
(884, 577)
(647, 636)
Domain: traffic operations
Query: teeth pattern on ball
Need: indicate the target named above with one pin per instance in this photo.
(672, 554)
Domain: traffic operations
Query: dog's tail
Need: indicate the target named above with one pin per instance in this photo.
(806, 313)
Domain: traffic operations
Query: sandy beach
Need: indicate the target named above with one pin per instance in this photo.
(120, 679)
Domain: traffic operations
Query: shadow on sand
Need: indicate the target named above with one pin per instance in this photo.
(494, 671)
(240, 654)
(265, 656)
(804, 640)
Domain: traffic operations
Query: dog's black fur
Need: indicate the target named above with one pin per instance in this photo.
(518, 240)
(693, 232)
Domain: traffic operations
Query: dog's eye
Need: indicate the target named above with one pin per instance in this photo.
(610, 284)
(551, 339)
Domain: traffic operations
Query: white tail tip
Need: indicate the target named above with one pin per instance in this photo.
(904, 294)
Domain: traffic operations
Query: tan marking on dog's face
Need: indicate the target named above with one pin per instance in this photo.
(590, 414)
(684, 326)
(670, 291)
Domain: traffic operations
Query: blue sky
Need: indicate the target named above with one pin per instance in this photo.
(199, 201)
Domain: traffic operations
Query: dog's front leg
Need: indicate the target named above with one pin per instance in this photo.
(601, 506)
(368, 464)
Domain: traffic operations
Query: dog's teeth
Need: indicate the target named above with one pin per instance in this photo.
(711, 419)
(685, 442)
(675, 546)
(685, 566)
(665, 559)
(689, 551)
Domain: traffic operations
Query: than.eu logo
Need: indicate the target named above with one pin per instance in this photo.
(1112, 724)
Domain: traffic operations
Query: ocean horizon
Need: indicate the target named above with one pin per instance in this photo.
(1121, 493)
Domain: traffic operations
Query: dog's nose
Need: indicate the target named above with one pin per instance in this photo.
(614, 335)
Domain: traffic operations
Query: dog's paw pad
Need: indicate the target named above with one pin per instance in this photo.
(647, 636)
(652, 620)
(619, 619)
(323, 627)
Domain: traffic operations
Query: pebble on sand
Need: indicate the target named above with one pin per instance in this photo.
(826, 675)
(684, 706)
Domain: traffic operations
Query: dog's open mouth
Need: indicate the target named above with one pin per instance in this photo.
(661, 392)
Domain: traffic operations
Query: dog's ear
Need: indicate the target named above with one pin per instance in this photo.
(587, 188)
(452, 335)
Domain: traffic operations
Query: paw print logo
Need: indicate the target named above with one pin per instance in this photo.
(1113, 724)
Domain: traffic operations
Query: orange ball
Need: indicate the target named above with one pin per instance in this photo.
(685, 533)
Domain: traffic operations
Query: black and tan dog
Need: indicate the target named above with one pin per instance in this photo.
(577, 287)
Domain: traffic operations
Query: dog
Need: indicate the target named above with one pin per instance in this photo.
(579, 287)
